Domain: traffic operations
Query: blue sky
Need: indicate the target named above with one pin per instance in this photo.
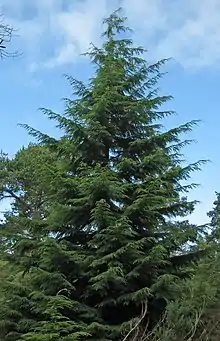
(53, 33)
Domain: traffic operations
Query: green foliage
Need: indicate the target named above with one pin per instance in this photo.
(94, 224)
(191, 315)
(214, 214)
(27, 181)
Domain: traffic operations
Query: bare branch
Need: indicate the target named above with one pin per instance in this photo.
(143, 314)
(11, 194)
(6, 34)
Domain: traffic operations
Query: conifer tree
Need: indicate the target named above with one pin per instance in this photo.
(33, 292)
(115, 247)
(214, 215)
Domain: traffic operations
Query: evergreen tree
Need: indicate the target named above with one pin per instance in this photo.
(115, 249)
(214, 215)
(30, 253)
(194, 314)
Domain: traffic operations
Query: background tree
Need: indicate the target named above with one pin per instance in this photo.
(6, 34)
(26, 181)
(214, 215)
(194, 314)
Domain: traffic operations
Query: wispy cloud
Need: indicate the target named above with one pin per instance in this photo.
(55, 32)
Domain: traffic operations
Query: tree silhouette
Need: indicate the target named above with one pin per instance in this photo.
(6, 34)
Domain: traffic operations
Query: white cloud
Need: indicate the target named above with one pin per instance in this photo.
(55, 32)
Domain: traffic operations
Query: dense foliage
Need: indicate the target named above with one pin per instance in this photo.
(95, 245)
